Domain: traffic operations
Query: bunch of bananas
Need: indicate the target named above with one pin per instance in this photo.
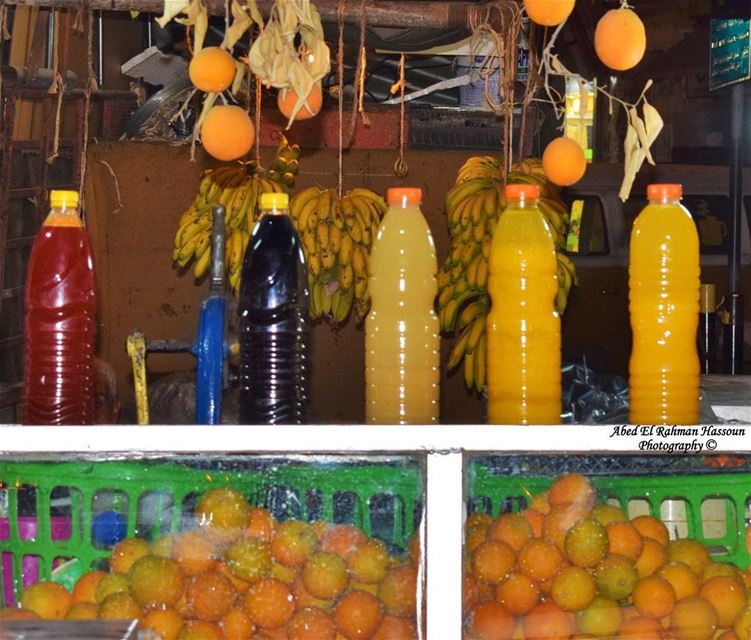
(473, 207)
(239, 192)
(336, 236)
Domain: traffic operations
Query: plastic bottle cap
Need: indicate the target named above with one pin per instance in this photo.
(274, 201)
(402, 196)
(664, 191)
(64, 199)
(527, 191)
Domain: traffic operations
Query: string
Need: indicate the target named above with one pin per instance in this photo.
(340, 95)
(57, 86)
(90, 86)
(400, 166)
(359, 74)
(258, 122)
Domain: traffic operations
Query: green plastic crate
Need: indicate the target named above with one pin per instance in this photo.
(492, 489)
(383, 498)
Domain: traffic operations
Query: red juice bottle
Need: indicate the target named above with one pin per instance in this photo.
(60, 324)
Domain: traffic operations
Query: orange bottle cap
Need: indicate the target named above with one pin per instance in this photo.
(402, 196)
(664, 191)
(527, 191)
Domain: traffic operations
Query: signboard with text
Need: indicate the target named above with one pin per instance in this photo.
(729, 56)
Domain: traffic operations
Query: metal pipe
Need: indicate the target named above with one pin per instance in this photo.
(432, 14)
(218, 240)
(100, 50)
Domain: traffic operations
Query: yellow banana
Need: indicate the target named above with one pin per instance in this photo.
(335, 238)
(346, 250)
(202, 264)
(322, 234)
(324, 205)
(477, 329)
(346, 277)
(482, 274)
(457, 351)
(480, 357)
(359, 262)
(308, 208)
(299, 202)
(361, 287)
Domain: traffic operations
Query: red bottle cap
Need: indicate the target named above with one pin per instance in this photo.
(402, 196)
(664, 191)
(526, 191)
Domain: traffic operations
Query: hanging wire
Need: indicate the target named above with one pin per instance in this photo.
(340, 94)
(400, 166)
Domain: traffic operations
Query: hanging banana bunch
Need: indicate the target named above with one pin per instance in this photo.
(473, 208)
(239, 192)
(336, 236)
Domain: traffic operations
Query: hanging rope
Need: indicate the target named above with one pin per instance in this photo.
(57, 86)
(4, 35)
(340, 93)
(400, 166)
(258, 121)
(91, 85)
(359, 74)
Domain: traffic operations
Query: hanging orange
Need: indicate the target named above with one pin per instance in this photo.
(620, 39)
(548, 13)
(227, 132)
(287, 100)
(212, 70)
(563, 162)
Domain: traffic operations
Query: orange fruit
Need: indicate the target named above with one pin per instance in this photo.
(342, 539)
(693, 619)
(572, 487)
(536, 520)
(155, 581)
(692, 552)
(573, 589)
(541, 503)
(222, 514)
(286, 574)
(49, 600)
(241, 586)
(492, 561)
(560, 520)
(652, 557)
(303, 598)
(212, 70)
(547, 621)
(654, 597)
(685, 583)
(166, 622)
(392, 628)
(651, 527)
(511, 528)
(287, 99)
(227, 133)
(109, 584)
(620, 39)
(269, 603)
(358, 614)
(249, 559)
(311, 624)
(163, 546)
(518, 593)
(261, 524)
(539, 559)
(18, 614)
(602, 618)
(325, 575)
(369, 561)
(746, 577)
(606, 513)
(126, 552)
(586, 543)
(293, 542)
(625, 539)
(470, 591)
(194, 553)
(615, 577)
(414, 549)
(210, 596)
(727, 635)
(85, 588)
(727, 596)
(478, 518)
(237, 624)
(489, 620)
(563, 162)
(82, 611)
(474, 536)
(119, 606)
(742, 624)
(641, 628)
(714, 569)
(548, 13)
(200, 630)
(398, 591)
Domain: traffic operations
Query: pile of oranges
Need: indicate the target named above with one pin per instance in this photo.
(568, 568)
(241, 574)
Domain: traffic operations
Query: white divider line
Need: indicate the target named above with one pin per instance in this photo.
(444, 519)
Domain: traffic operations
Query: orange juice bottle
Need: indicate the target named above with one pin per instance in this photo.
(663, 281)
(402, 345)
(523, 328)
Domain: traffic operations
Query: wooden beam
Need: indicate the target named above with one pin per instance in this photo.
(432, 14)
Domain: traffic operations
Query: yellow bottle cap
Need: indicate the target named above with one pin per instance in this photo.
(274, 201)
(64, 199)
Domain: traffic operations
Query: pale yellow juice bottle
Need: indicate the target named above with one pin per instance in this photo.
(523, 328)
(402, 342)
(663, 282)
